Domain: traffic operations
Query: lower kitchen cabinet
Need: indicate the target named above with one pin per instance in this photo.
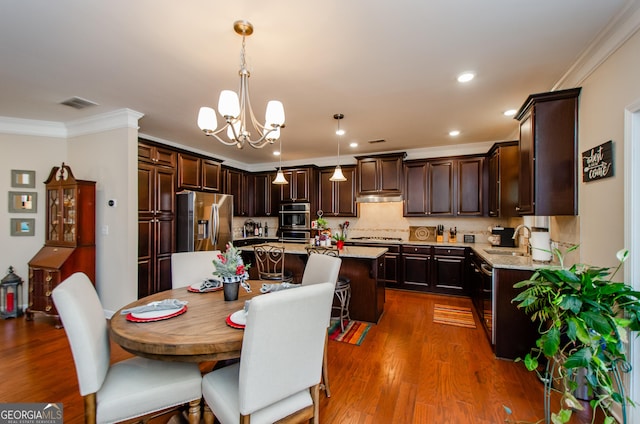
(449, 270)
(515, 333)
(416, 264)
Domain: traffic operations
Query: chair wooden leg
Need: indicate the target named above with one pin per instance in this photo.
(245, 419)
(315, 396)
(208, 414)
(325, 368)
(194, 412)
(90, 408)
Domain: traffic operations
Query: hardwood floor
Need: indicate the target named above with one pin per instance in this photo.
(407, 370)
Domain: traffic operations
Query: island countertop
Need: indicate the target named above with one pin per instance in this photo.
(360, 252)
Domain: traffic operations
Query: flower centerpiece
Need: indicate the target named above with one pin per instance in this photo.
(230, 267)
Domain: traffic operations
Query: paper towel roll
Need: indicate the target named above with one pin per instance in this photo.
(540, 240)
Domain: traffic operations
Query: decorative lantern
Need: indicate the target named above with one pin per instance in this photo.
(11, 295)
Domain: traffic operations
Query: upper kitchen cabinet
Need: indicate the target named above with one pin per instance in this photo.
(503, 179)
(444, 187)
(380, 175)
(266, 195)
(156, 155)
(338, 198)
(548, 180)
(302, 185)
(236, 183)
(196, 173)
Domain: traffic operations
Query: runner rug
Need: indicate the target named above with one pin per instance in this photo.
(353, 333)
(453, 315)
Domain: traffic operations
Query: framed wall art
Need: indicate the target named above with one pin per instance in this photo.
(23, 179)
(23, 202)
(23, 227)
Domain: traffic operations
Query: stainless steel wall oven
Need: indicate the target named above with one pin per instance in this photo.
(294, 222)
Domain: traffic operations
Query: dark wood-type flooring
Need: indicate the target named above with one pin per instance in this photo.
(407, 370)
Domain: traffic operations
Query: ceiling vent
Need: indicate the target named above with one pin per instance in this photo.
(78, 103)
(382, 140)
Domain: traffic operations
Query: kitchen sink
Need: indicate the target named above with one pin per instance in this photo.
(505, 252)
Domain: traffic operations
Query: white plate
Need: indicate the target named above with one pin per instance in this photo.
(155, 314)
(239, 317)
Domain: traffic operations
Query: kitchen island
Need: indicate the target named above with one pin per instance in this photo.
(360, 264)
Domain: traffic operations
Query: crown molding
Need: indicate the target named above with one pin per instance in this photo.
(32, 127)
(121, 118)
(619, 29)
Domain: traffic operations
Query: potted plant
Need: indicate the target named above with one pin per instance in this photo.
(322, 223)
(231, 269)
(340, 239)
(583, 318)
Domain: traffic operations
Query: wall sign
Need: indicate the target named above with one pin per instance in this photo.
(597, 163)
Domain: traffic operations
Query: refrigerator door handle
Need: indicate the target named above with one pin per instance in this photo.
(215, 228)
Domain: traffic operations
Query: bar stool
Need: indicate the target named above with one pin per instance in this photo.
(270, 263)
(343, 285)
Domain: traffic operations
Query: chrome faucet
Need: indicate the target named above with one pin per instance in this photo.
(528, 237)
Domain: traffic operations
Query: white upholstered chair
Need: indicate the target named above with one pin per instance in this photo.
(188, 268)
(322, 268)
(280, 364)
(134, 387)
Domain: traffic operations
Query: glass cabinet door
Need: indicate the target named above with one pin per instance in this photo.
(69, 215)
(53, 215)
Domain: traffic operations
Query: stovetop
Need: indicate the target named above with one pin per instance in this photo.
(377, 238)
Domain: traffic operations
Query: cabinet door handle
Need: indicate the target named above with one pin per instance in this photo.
(49, 278)
(48, 293)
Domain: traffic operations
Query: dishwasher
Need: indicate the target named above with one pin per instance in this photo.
(482, 293)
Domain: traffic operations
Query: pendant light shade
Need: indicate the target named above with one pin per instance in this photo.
(337, 174)
(280, 179)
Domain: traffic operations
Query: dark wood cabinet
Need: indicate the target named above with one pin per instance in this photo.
(416, 266)
(265, 194)
(69, 239)
(503, 179)
(337, 198)
(237, 184)
(449, 270)
(445, 187)
(195, 173)
(156, 227)
(548, 180)
(380, 174)
(470, 186)
(156, 155)
(302, 185)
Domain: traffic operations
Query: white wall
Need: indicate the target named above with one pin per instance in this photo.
(110, 159)
(33, 153)
(605, 93)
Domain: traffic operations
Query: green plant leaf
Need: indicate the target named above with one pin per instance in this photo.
(550, 342)
(563, 416)
(530, 362)
(572, 303)
(596, 321)
(579, 359)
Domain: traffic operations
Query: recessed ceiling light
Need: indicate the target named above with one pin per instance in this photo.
(466, 77)
(509, 112)
(354, 144)
(454, 133)
(276, 153)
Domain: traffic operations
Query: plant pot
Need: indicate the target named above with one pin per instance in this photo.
(231, 290)
(340, 244)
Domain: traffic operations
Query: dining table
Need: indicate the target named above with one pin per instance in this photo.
(199, 334)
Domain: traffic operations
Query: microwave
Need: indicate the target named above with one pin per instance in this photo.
(295, 216)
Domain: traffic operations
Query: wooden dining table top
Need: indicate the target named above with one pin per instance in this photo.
(200, 334)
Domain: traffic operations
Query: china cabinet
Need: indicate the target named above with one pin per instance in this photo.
(69, 239)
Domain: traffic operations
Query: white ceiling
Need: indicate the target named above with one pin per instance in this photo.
(389, 66)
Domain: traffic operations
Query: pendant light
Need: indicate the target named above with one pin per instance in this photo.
(337, 174)
(280, 179)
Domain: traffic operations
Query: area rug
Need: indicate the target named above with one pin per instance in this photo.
(453, 315)
(353, 333)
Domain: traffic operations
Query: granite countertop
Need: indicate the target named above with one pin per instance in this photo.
(486, 251)
(361, 252)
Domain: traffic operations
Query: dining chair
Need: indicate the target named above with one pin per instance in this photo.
(188, 268)
(270, 263)
(322, 268)
(343, 285)
(280, 364)
(134, 387)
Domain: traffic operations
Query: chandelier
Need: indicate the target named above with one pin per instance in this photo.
(236, 109)
(337, 173)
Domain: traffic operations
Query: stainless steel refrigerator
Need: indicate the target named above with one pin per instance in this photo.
(204, 221)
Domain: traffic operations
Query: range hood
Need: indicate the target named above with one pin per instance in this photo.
(379, 198)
